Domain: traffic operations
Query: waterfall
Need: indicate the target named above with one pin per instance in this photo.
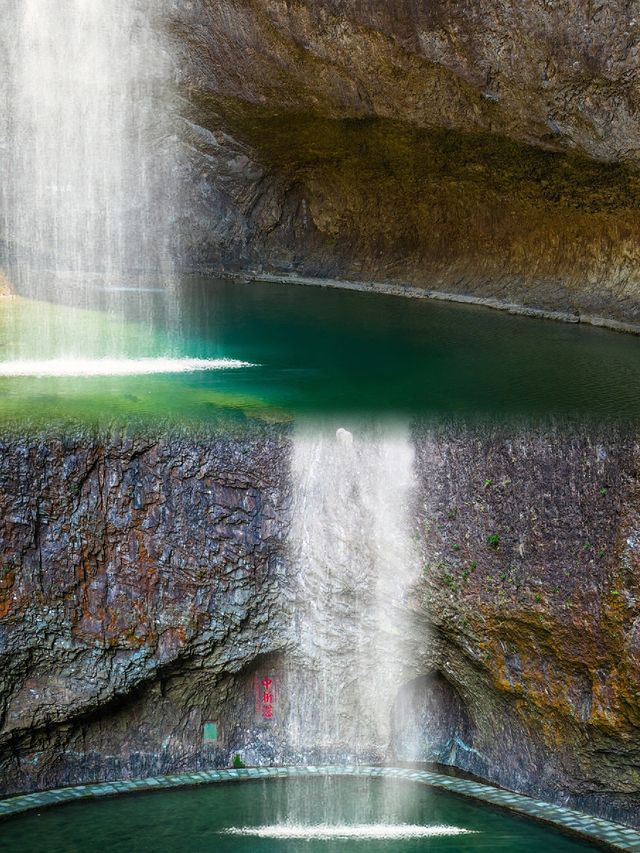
(88, 150)
(354, 566)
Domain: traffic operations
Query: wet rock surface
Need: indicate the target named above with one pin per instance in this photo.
(532, 580)
(146, 586)
(497, 144)
(125, 563)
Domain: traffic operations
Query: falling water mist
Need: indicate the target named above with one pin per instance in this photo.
(355, 567)
(90, 163)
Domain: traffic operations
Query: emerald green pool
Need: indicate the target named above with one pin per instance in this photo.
(314, 815)
(317, 350)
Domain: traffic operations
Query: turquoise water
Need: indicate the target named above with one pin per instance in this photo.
(255, 817)
(318, 350)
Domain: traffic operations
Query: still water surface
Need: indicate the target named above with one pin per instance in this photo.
(304, 350)
(333, 815)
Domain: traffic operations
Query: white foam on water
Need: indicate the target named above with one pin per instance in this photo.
(364, 831)
(62, 367)
(114, 289)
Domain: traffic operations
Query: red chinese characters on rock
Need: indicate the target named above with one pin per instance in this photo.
(265, 697)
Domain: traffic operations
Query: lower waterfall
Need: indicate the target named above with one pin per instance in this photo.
(354, 564)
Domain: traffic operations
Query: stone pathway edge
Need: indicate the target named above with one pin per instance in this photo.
(611, 835)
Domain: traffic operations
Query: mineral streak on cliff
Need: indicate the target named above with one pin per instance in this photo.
(484, 148)
(147, 582)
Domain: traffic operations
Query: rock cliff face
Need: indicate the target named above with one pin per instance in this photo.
(146, 584)
(136, 576)
(484, 148)
(532, 579)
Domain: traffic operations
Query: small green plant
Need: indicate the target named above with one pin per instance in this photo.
(455, 547)
(601, 553)
(238, 763)
(488, 483)
(450, 582)
(493, 540)
(474, 565)
(537, 598)
(603, 492)
(453, 513)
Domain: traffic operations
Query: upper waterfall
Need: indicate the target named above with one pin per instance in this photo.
(89, 163)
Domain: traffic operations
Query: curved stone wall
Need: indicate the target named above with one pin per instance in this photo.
(609, 834)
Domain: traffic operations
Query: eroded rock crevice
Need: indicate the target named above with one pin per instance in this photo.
(431, 722)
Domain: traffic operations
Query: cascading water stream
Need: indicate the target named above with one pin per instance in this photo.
(89, 160)
(355, 565)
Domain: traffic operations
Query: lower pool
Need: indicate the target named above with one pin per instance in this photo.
(315, 815)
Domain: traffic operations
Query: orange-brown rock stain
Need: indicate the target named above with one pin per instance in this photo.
(8, 602)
